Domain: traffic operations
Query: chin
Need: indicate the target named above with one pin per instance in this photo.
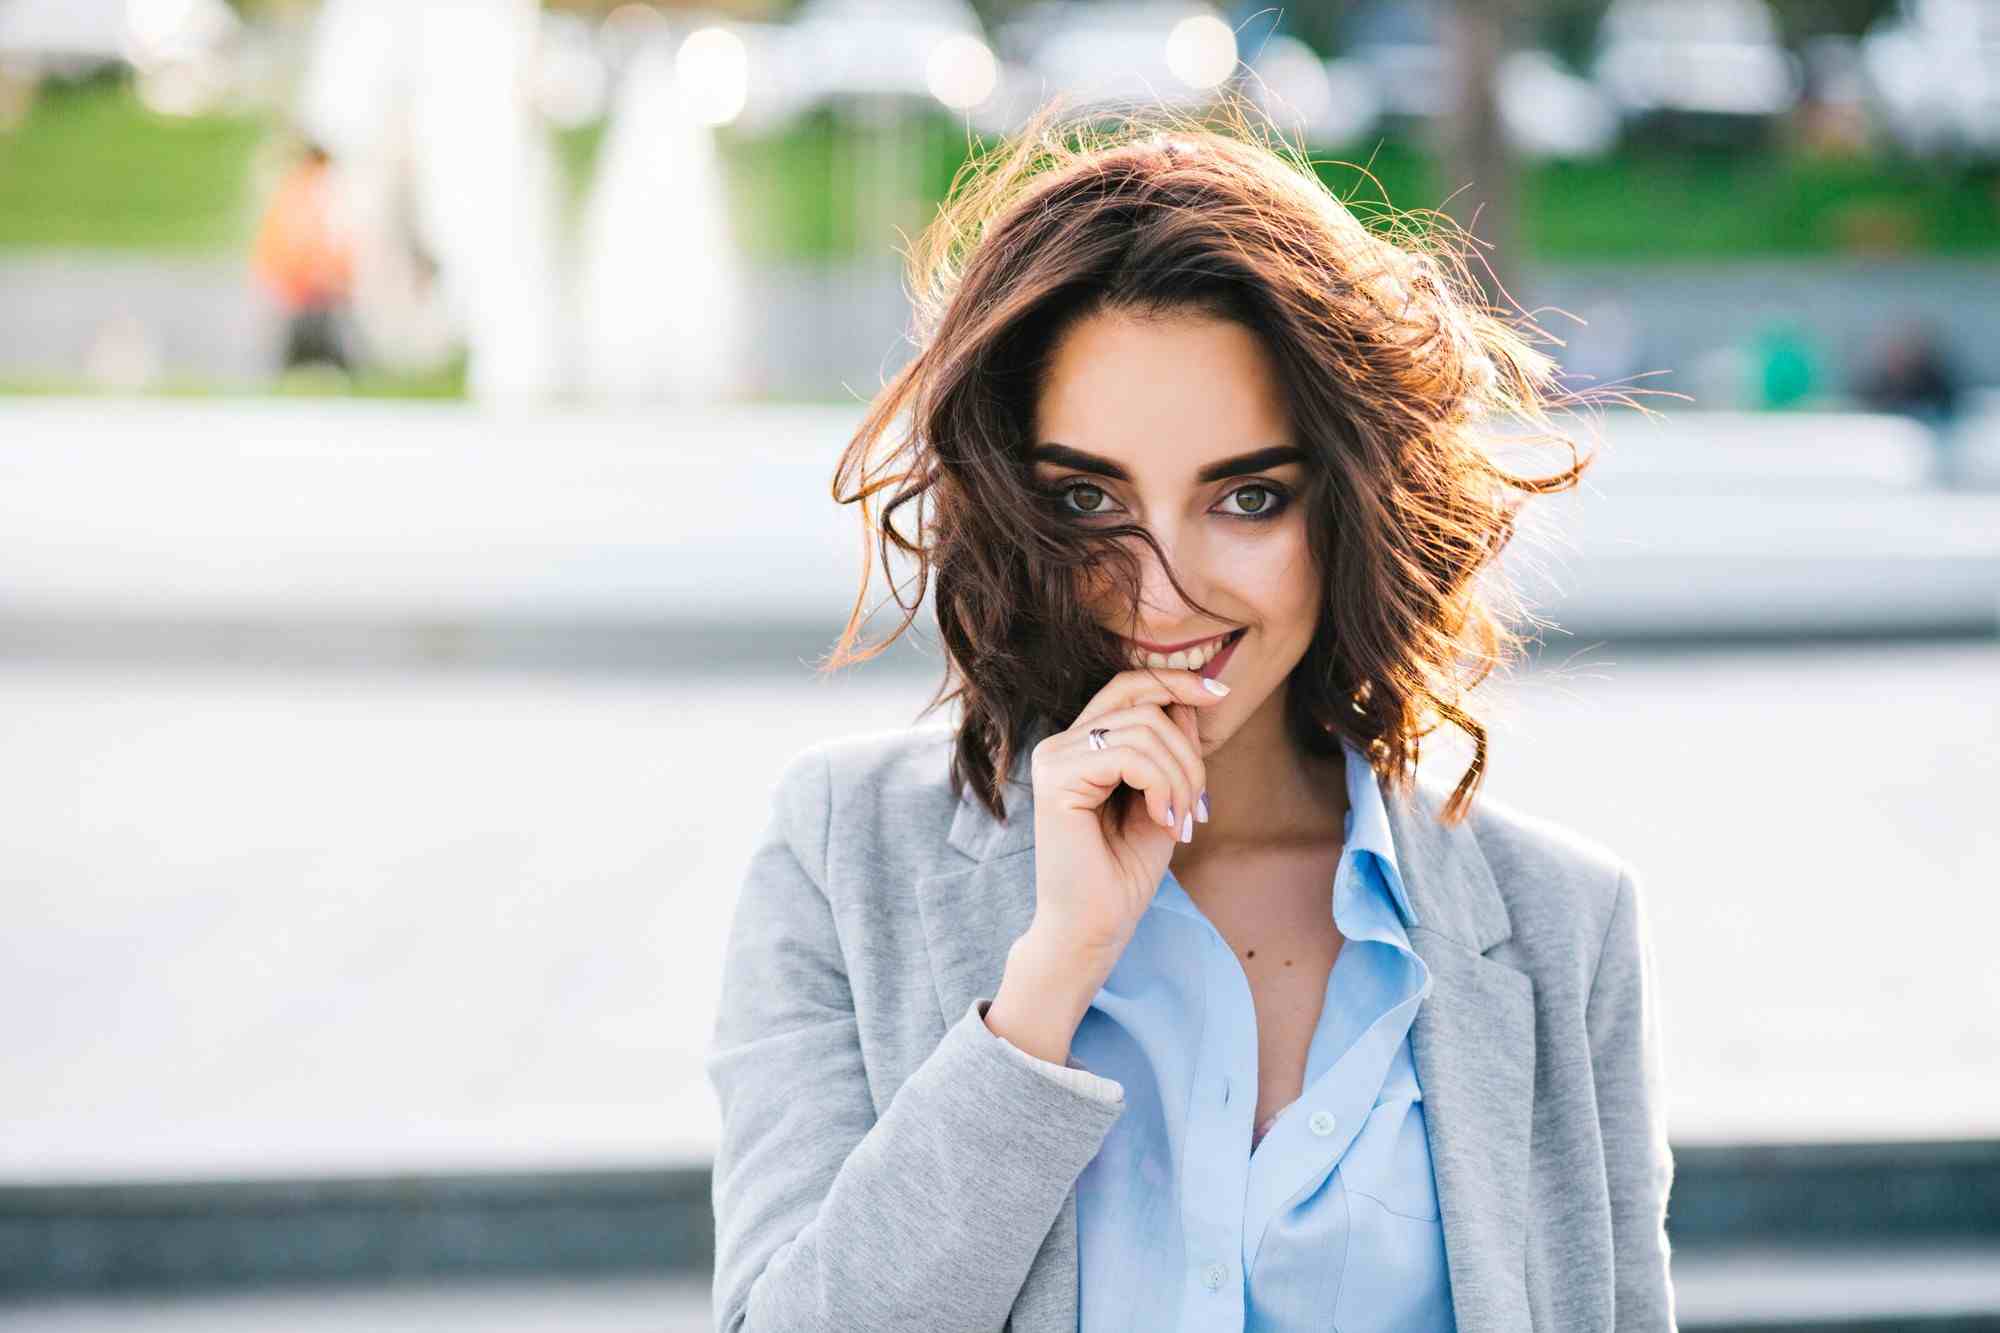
(1214, 732)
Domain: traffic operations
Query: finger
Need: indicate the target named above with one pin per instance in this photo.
(1148, 735)
(1153, 685)
(1190, 728)
(1133, 756)
(1174, 735)
(1149, 729)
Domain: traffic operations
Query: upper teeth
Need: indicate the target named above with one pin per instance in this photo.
(1187, 659)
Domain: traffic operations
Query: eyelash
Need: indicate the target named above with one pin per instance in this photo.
(1280, 500)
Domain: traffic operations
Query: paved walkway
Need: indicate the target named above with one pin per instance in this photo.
(531, 1306)
(273, 924)
(1786, 1288)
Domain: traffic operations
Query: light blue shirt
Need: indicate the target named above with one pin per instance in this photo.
(1332, 1221)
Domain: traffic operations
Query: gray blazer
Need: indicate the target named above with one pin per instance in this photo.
(886, 1164)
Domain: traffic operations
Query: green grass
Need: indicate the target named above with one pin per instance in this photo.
(1709, 205)
(446, 384)
(576, 158)
(1639, 205)
(90, 166)
(792, 194)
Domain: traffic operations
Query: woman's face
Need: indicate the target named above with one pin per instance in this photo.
(1178, 424)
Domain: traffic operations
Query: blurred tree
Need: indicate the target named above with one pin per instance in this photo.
(1800, 19)
(1479, 169)
(1568, 27)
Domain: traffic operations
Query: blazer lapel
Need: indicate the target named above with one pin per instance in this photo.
(1473, 1045)
(1473, 1040)
(972, 914)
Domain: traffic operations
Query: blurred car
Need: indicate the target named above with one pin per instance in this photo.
(1399, 44)
(1550, 112)
(1933, 74)
(1704, 68)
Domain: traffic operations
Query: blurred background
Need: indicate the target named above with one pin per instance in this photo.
(416, 424)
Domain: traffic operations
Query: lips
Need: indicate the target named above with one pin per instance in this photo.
(1221, 659)
(1199, 657)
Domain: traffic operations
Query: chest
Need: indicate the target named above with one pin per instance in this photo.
(1276, 914)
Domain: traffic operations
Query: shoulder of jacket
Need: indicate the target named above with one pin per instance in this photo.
(871, 759)
(1554, 878)
(867, 786)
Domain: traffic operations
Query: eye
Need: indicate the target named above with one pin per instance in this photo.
(1099, 499)
(1270, 503)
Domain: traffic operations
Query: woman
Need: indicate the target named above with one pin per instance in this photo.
(1157, 993)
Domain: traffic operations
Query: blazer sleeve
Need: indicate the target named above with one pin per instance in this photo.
(826, 1216)
(1075, 1074)
(1623, 1021)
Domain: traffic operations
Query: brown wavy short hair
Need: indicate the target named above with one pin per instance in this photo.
(1399, 379)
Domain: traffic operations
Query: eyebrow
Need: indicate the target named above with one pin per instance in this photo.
(1257, 460)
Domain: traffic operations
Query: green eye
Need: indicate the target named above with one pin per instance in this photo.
(1270, 503)
(1085, 488)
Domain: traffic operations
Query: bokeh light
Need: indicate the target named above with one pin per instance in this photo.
(961, 72)
(1201, 51)
(714, 72)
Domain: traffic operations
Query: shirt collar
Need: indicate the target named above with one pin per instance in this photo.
(1366, 831)
(1367, 828)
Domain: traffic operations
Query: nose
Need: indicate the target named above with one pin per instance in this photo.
(1159, 604)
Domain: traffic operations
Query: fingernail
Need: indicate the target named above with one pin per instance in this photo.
(1187, 828)
(1214, 686)
(1170, 819)
(1201, 805)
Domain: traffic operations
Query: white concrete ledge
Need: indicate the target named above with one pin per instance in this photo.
(288, 510)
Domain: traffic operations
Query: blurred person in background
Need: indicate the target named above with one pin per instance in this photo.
(1911, 372)
(304, 258)
(1001, 1035)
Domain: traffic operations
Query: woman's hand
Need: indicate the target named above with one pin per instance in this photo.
(1100, 851)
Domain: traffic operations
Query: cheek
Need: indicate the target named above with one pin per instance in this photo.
(1275, 574)
(1096, 588)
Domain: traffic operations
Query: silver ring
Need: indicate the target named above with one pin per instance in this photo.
(1097, 735)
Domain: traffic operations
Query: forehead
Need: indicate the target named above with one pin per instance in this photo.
(1161, 391)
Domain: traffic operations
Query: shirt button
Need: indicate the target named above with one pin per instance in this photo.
(1322, 1123)
(1211, 1276)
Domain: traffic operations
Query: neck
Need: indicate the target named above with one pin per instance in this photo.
(1263, 790)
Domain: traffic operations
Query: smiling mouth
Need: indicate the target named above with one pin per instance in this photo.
(1186, 659)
